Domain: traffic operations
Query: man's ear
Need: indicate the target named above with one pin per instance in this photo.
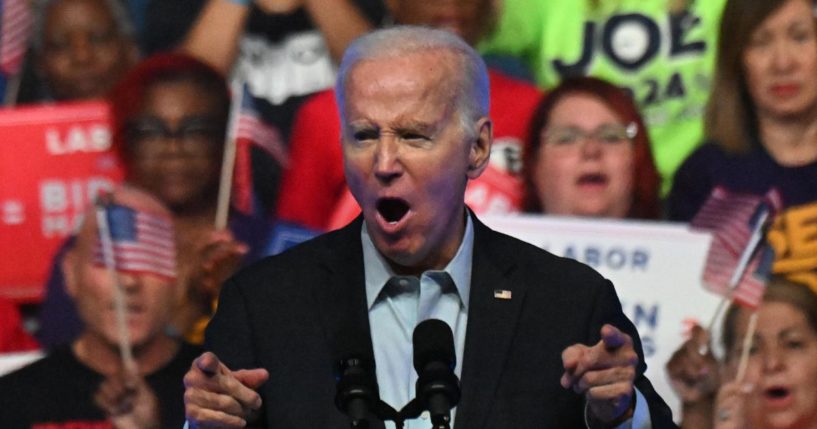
(480, 150)
(69, 271)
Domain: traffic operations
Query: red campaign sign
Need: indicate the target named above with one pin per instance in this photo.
(54, 159)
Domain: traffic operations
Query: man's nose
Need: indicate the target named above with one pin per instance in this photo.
(387, 166)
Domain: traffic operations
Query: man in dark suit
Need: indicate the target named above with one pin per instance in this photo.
(414, 105)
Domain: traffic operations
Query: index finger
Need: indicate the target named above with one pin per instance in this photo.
(613, 338)
(208, 363)
(220, 379)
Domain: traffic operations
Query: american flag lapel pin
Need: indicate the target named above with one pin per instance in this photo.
(502, 294)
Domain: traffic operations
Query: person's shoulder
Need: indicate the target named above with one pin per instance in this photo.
(547, 277)
(710, 151)
(707, 155)
(535, 260)
(303, 256)
(43, 370)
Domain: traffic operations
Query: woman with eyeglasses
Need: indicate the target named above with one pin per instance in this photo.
(170, 117)
(761, 120)
(588, 154)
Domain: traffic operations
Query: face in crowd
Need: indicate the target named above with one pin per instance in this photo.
(149, 298)
(175, 140)
(84, 52)
(780, 62)
(409, 152)
(782, 366)
(585, 162)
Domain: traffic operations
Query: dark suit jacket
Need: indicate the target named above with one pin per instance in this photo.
(285, 314)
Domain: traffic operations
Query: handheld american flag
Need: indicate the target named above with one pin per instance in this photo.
(253, 132)
(15, 29)
(738, 263)
(141, 242)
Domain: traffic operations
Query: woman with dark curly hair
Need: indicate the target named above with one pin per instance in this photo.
(170, 119)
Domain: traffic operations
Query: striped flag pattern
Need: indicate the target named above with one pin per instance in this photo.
(15, 29)
(143, 242)
(731, 218)
(252, 131)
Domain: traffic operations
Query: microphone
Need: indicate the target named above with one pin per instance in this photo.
(357, 392)
(438, 388)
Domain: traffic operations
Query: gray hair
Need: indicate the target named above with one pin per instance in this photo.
(472, 95)
(120, 15)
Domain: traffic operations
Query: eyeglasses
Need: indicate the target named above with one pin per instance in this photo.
(194, 135)
(607, 134)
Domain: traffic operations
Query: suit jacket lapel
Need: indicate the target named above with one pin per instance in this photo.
(341, 295)
(491, 325)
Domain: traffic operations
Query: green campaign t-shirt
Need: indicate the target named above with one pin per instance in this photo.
(666, 59)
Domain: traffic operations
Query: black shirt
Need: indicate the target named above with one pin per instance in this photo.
(59, 390)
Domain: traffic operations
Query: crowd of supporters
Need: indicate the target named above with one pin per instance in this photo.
(623, 109)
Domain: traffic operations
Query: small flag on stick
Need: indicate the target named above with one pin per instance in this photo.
(245, 131)
(142, 243)
(15, 29)
(251, 133)
(136, 242)
(738, 263)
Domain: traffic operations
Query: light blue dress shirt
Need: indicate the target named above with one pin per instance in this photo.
(398, 303)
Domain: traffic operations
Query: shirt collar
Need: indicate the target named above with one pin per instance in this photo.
(378, 271)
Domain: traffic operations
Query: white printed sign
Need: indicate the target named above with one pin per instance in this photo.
(655, 267)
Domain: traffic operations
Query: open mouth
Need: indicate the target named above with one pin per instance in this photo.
(392, 209)
(592, 179)
(776, 393)
(778, 397)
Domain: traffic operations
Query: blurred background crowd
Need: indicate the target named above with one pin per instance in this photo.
(622, 109)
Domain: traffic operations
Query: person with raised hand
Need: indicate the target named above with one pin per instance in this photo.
(123, 370)
(778, 389)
